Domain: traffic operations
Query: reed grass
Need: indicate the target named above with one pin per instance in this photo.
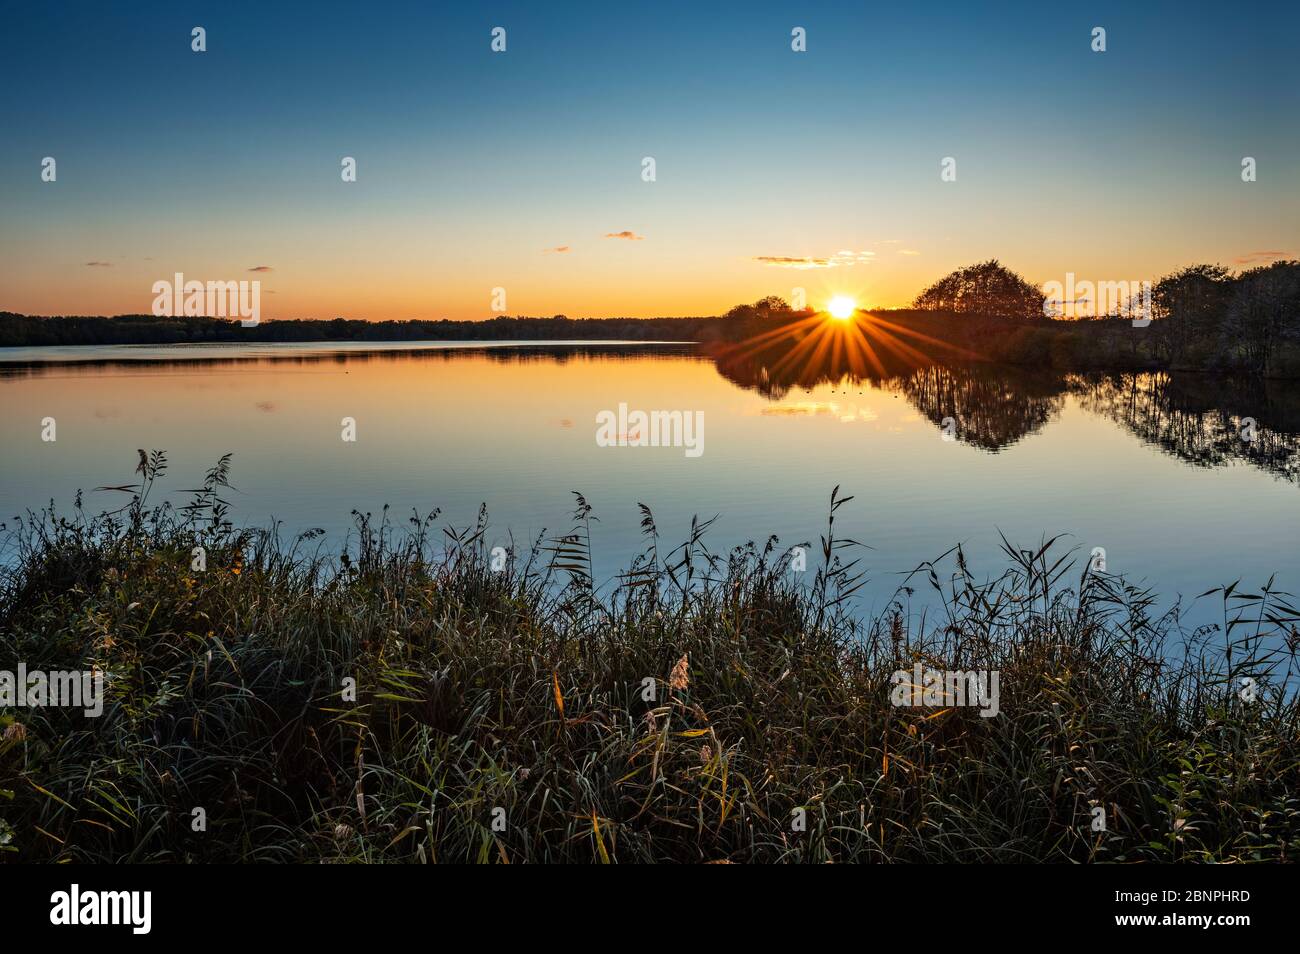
(501, 715)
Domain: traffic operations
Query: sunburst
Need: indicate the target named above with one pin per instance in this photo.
(842, 307)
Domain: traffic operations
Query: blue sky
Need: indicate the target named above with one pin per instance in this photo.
(471, 165)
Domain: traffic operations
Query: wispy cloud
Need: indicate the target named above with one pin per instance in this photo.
(100, 264)
(559, 249)
(844, 258)
(629, 236)
(261, 268)
(1253, 258)
(908, 251)
(786, 261)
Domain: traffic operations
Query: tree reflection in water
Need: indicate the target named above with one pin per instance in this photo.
(1204, 420)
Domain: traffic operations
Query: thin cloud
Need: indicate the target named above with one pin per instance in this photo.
(261, 268)
(558, 250)
(100, 264)
(908, 251)
(786, 261)
(628, 236)
(844, 258)
(1250, 258)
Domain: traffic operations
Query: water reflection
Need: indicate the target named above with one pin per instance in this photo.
(217, 357)
(1204, 420)
(981, 405)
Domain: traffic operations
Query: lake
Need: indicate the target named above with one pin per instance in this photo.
(1186, 481)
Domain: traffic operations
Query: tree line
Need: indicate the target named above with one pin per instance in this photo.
(1202, 317)
(31, 330)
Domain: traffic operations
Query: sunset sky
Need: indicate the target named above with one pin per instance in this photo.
(523, 169)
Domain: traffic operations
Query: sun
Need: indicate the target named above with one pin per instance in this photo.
(842, 307)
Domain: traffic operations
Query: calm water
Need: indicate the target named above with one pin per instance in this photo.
(1152, 468)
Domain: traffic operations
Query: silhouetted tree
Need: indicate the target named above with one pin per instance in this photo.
(771, 306)
(1189, 306)
(1264, 314)
(988, 288)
